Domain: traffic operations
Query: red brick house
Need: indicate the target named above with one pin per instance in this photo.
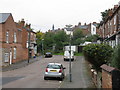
(110, 28)
(13, 39)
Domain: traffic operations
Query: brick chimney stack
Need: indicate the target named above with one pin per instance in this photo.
(22, 23)
(79, 24)
(110, 12)
(28, 26)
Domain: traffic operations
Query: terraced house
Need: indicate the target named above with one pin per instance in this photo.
(14, 39)
(110, 28)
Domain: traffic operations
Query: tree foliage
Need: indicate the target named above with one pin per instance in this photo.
(77, 38)
(39, 36)
(92, 38)
(104, 15)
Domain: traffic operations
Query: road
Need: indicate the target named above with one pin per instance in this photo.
(31, 76)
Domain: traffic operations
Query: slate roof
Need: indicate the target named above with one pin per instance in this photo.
(4, 17)
(83, 27)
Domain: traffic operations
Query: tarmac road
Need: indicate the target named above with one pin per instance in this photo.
(31, 76)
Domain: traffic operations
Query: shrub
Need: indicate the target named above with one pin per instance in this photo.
(116, 58)
(98, 54)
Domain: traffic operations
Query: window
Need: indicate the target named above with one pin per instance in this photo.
(114, 19)
(6, 56)
(14, 54)
(7, 37)
(15, 39)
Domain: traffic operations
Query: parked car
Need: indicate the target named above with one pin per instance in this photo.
(54, 70)
(67, 56)
(48, 54)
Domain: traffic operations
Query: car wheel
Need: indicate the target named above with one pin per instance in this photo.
(45, 78)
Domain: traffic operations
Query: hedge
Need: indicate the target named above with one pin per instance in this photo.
(98, 54)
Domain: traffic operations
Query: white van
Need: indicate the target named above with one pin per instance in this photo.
(67, 55)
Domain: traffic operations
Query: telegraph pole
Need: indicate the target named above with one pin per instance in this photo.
(29, 34)
(68, 27)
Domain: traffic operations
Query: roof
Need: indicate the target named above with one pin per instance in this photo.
(4, 17)
(107, 68)
(83, 27)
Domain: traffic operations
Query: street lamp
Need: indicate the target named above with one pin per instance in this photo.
(42, 47)
(68, 27)
(29, 35)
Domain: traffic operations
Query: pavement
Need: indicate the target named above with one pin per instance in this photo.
(20, 64)
(81, 77)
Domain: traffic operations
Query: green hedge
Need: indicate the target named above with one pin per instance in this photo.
(98, 54)
(116, 58)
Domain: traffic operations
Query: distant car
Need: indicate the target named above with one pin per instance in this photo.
(48, 54)
(54, 70)
(67, 56)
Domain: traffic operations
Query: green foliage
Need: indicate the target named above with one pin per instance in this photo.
(116, 58)
(104, 15)
(98, 54)
(77, 37)
(60, 40)
(39, 37)
(92, 38)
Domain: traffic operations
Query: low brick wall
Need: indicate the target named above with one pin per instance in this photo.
(110, 77)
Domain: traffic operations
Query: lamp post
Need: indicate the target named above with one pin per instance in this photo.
(68, 27)
(29, 35)
(42, 47)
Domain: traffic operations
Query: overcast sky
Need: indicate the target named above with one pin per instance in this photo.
(42, 14)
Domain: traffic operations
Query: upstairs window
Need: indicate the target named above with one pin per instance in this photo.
(14, 53)
(7, 37)
(15, 38)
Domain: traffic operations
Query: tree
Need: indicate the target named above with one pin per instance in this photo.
(77, 38)
(60, 40)
(48, 41)
(104, 14)
(92, 38)
(39, 37)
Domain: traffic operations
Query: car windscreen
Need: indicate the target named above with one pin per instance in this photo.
(54, 66)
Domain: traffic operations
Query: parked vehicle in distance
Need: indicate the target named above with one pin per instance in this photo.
(67, 56)
(54, 70)
(48, 54)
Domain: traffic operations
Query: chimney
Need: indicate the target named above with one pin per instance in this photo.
(79, 24)
(115, 7)
(110, 12)
(28, 26)
(22, 23)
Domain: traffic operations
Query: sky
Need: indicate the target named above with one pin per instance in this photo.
(42, 14)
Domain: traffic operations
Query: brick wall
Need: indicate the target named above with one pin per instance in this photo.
(110, 77)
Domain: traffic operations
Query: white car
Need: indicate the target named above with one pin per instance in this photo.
(54, 70)
(67, 55)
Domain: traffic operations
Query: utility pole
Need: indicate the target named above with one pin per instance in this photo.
(42, 47)
(68, 27)
(29, 35)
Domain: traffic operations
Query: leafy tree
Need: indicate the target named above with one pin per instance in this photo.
(39, 37)
(104, 15)
(116, 58)
(48, 40)
(60, 40)
(77, 38)
(92, 38)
